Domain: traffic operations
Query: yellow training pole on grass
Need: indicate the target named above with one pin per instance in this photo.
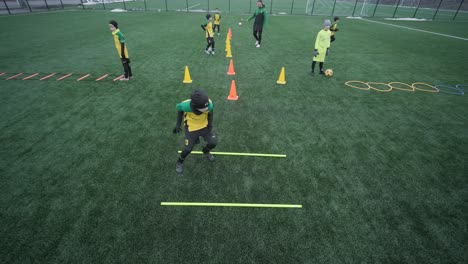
(231, 205)
(241, 154)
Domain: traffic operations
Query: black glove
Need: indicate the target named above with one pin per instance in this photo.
(336, 29)
(316, 53)
(176, 130)
(328, 52)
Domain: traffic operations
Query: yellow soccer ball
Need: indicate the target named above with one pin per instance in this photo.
(328, 72)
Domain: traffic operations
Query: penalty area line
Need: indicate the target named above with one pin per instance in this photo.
(231, 205)
(241, 154)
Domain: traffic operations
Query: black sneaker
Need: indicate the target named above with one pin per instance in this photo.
(209, 156)
(321, 72)
(179, 167)
(312, 74)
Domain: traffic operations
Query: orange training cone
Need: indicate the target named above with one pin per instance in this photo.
(233, 93)
(231, 69)
(187, 78)
(230, 34)
(282, 78)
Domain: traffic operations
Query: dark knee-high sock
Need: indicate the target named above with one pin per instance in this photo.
(126, 70)
(129, 70)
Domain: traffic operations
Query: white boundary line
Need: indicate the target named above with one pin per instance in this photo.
(420, 30)
(190, 7)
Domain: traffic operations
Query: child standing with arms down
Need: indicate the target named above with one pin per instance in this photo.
(322, 46)
(208, 28)
(119, 41)
(260, 20)
(217, 21)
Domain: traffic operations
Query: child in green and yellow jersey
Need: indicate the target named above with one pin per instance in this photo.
(334, 28)
(208, 28)
(119, 41)
(217, 21)
(196, 114)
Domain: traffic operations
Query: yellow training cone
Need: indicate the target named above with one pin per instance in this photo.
(228, 53)
(187, 78)
(282, 78)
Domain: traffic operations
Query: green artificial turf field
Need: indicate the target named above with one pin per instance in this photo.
(84, 166)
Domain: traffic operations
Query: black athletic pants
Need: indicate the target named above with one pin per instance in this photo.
(193, 138)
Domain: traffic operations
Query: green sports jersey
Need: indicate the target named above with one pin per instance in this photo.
(208, 27)
(217, 19)
(118, 40)
(193, 121)
(260, 16)
(334, 28)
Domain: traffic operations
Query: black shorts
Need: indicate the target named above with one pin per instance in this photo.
(193, 138)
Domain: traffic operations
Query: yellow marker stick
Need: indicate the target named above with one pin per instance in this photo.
(241, 154)
(232, 205)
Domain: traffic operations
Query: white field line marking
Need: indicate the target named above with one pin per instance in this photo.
(420, 30)
(190, 7)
